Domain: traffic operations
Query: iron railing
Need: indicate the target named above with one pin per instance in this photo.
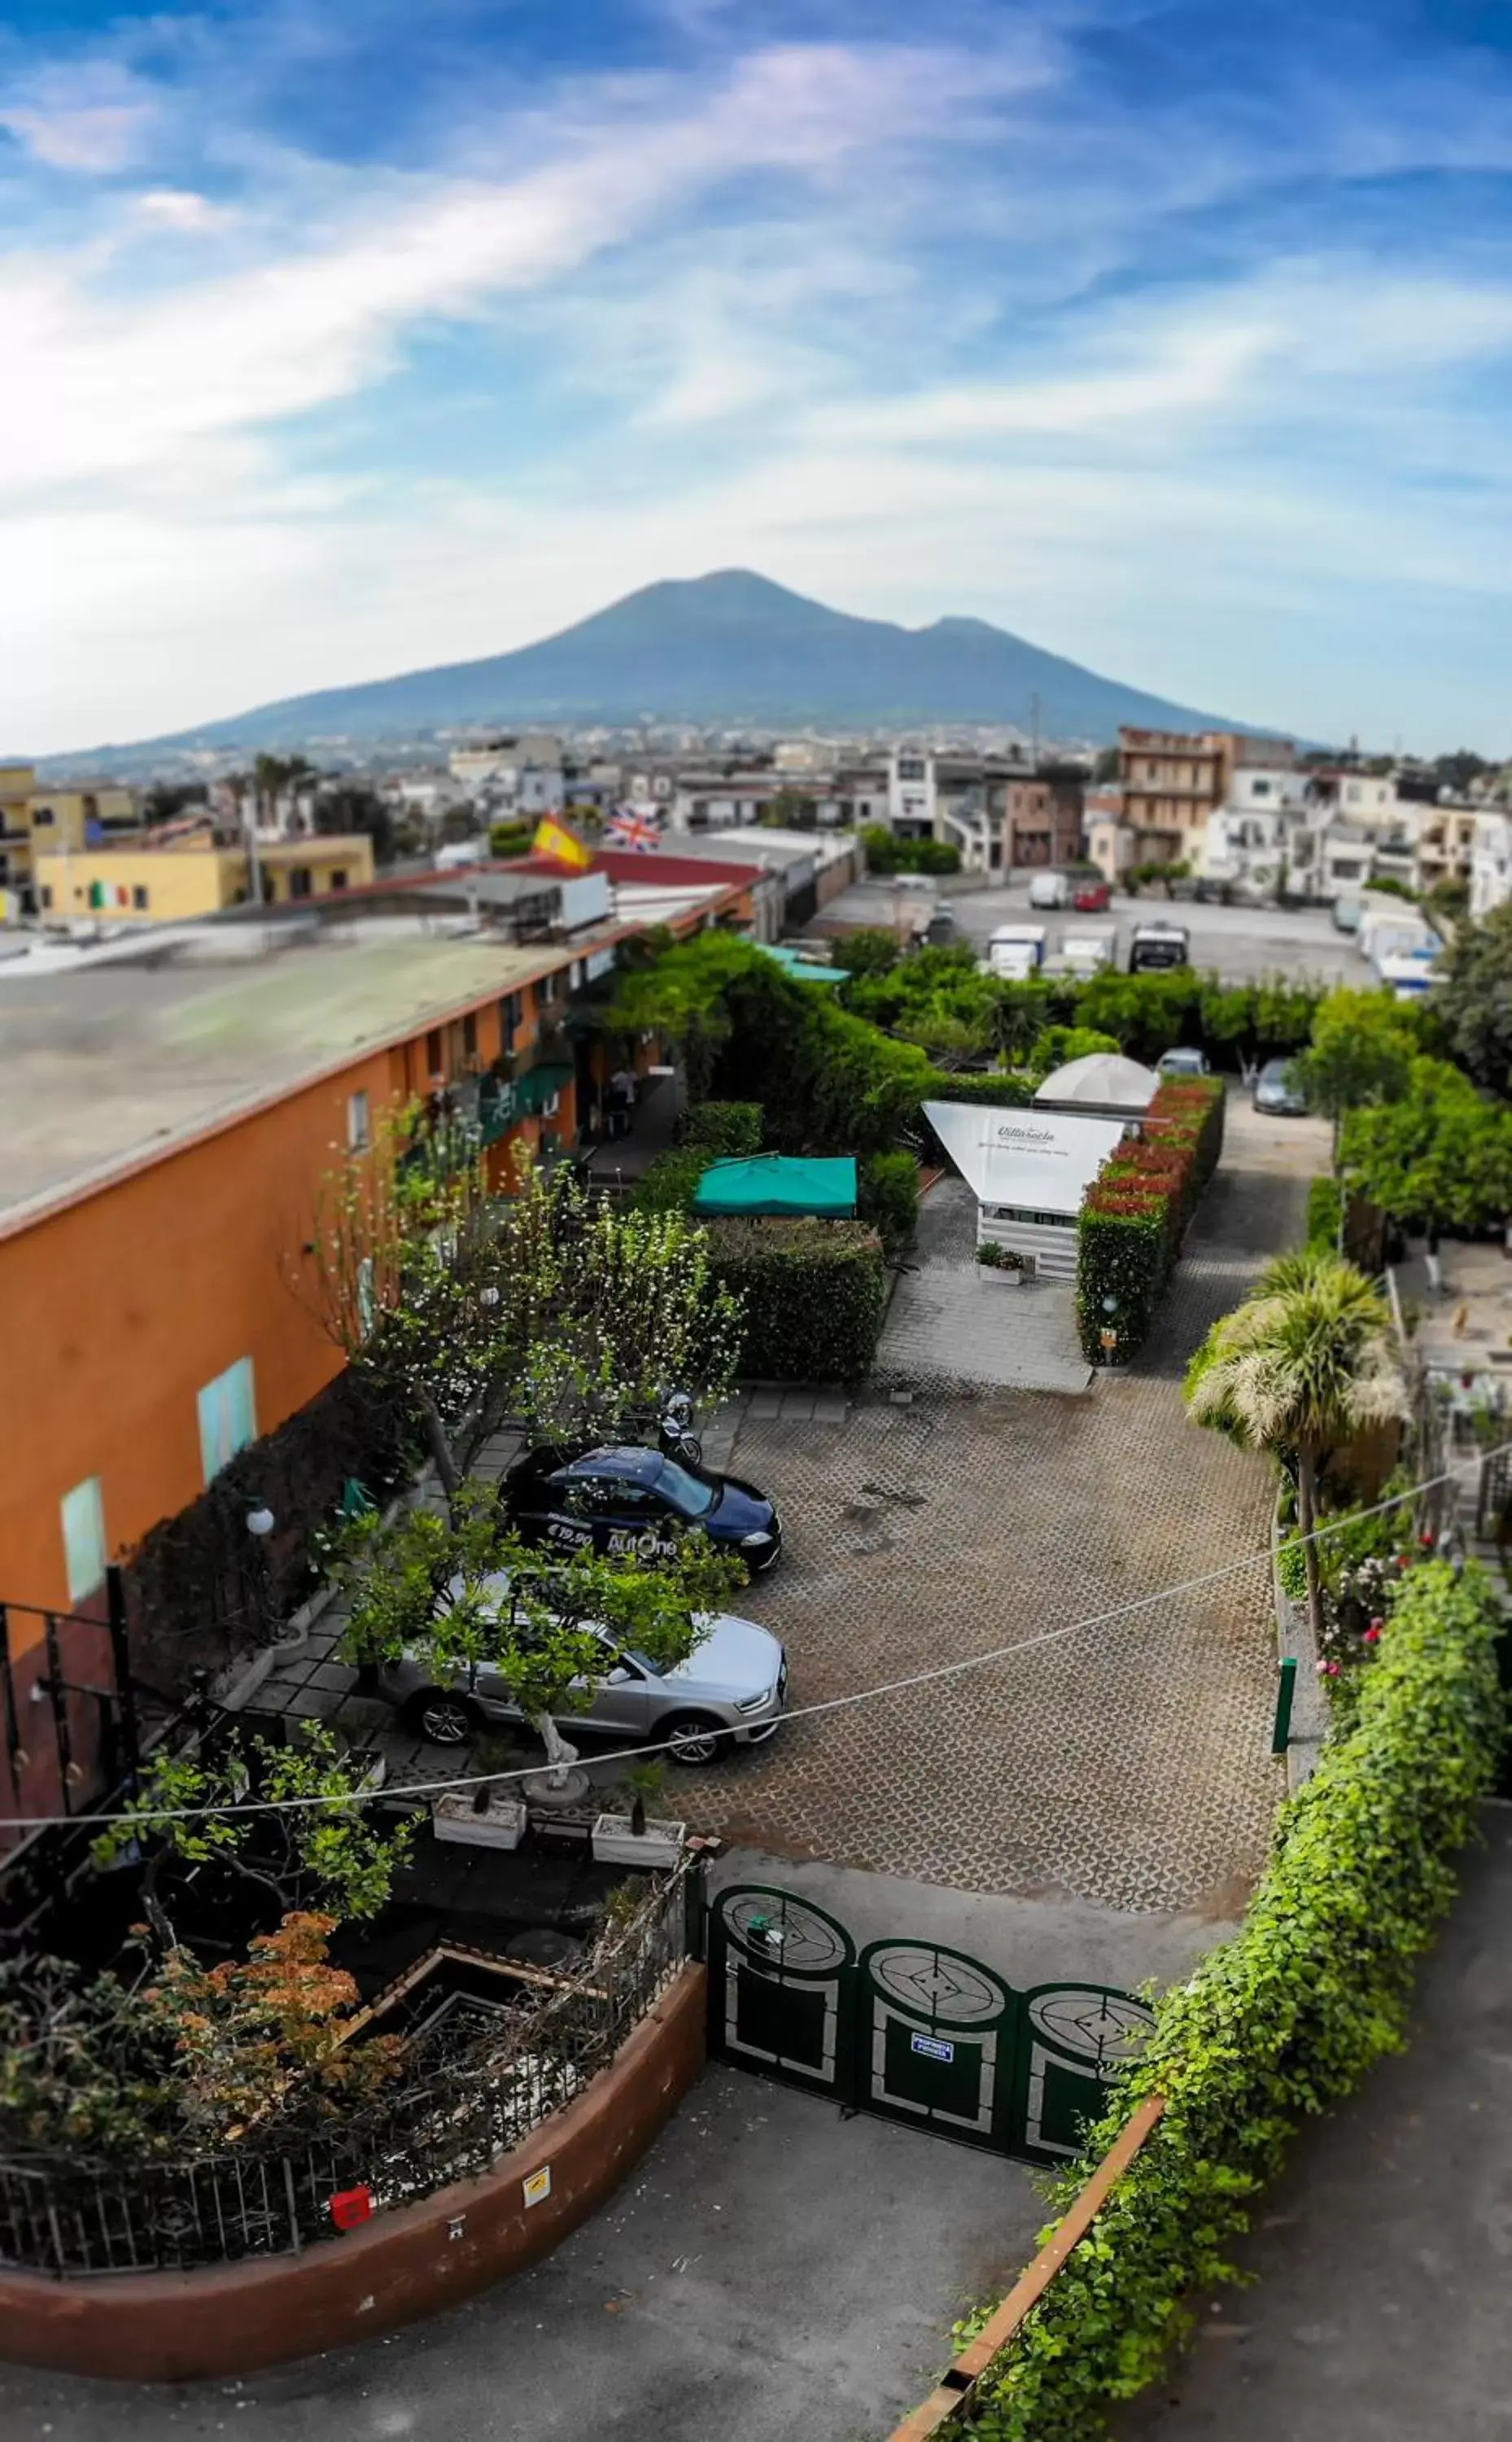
(466, 2095)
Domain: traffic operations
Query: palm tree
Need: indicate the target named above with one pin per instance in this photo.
(1305, 1363)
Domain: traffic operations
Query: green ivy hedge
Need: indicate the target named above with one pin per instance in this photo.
(815, 1295)
(728, 1130)
(993, 1085)
(671, 1181)
(1278, 2024)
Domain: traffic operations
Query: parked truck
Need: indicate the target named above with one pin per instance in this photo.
(1087, 953)
(1015, 952)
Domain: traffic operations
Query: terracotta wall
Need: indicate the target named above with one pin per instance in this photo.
(401, 2266)
(120, 1307)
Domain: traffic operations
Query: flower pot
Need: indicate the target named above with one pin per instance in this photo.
(1007, 1275)
(500, 1825)
(615, 1844)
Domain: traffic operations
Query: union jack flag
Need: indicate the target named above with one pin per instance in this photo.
(633, 827)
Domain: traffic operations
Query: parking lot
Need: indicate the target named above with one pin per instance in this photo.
(1241, 944)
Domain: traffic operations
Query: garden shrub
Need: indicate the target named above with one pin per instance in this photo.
(887, 853)
(1325, 1212)
(889, 1198)
(729, 1130)
(814, 1294)
(1278, 2024)
(672, 1180)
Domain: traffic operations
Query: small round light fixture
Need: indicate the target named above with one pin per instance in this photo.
(260, 1520)
(1110, 1305)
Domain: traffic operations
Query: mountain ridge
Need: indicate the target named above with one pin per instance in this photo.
(726, 648)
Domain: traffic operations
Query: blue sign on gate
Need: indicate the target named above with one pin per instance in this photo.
(934, 2047)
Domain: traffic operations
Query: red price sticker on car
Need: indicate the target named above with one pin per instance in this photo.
(351, 2206)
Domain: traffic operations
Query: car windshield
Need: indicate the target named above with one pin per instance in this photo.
(688, 1494)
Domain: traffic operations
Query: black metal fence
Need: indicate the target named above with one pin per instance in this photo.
(470, 2089)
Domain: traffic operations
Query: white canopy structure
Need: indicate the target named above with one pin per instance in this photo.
(1101, 1081)
(1028, 1171)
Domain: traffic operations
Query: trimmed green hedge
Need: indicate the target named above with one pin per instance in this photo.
(1135, 1212)
(993, 1085)
(889, 1198)
(814, 1294)
(1278, 2024)
(728, 1130)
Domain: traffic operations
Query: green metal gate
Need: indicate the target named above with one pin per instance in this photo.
(913, 2031)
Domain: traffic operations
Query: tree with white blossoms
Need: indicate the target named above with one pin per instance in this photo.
(464, 1590)
(468, 1306)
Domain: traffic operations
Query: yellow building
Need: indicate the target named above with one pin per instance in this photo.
(189, 876)
(37, 821)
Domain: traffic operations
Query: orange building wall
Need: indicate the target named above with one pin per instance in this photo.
(120, 1307)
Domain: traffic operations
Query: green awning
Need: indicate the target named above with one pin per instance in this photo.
(534, 1089)
(771, 1182)
(802, 970)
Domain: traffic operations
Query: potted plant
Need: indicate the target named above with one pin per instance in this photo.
(1000, 1262)
(492, 1816)
(635, 1838)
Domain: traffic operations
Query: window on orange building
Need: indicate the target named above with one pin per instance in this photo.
(228, 1416)
(359, 1123)
(83, 1537)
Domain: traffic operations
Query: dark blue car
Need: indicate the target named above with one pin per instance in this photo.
(636, 1501)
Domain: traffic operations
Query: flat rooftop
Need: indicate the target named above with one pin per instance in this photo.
(101, 1066)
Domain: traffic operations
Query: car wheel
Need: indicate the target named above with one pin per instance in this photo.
(691, 1739)
(442, 1716)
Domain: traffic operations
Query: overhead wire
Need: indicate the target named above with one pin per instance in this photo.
(142, 1819)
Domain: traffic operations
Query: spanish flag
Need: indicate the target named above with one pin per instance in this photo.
(553, 839)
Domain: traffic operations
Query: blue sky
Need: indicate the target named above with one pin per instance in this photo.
(341, 341)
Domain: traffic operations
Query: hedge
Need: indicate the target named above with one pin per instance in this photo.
(728, 1130)
(1135, 1212)
(1278, 2024)
(993, 1085)
(889, 1198)
(671, 1180)
(1325, 1212)
(814, 1294)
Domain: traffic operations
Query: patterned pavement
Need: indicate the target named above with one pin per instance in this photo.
(951, 1323)
(1123, 1762)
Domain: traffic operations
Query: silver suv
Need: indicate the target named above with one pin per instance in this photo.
(731, 1691)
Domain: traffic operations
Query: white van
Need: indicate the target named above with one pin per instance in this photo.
(1049, 890)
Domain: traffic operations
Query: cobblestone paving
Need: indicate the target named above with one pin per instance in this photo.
(1126, 1763)
(949, 1323)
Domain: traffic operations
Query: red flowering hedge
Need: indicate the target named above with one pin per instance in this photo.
(1136, 1214)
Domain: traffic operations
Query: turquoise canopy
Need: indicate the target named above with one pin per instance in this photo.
(773, 1183)
(802, 970)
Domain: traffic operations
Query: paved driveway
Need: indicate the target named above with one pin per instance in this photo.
(771, 2271)
(1124, 1763)
(949, 1322)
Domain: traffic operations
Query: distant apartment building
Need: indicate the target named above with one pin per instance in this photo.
(526, 775)
(1173, 779)
(191, 874)
(1044, 816)
(955, 798)
(1491, 862)
(37, 821)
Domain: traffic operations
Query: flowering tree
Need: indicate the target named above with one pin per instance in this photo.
(466, 1592)
(468, 1306)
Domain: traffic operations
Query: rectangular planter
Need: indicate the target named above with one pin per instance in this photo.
(501, 1827)
(615, 1844)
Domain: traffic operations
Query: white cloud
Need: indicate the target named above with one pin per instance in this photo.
(179, 207)
(93, 121)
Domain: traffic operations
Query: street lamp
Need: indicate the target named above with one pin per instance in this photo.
(260, 1524)
(261, 1521)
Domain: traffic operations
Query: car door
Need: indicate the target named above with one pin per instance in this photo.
(622, 1700)
(575, 1521)
(640, 1524)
